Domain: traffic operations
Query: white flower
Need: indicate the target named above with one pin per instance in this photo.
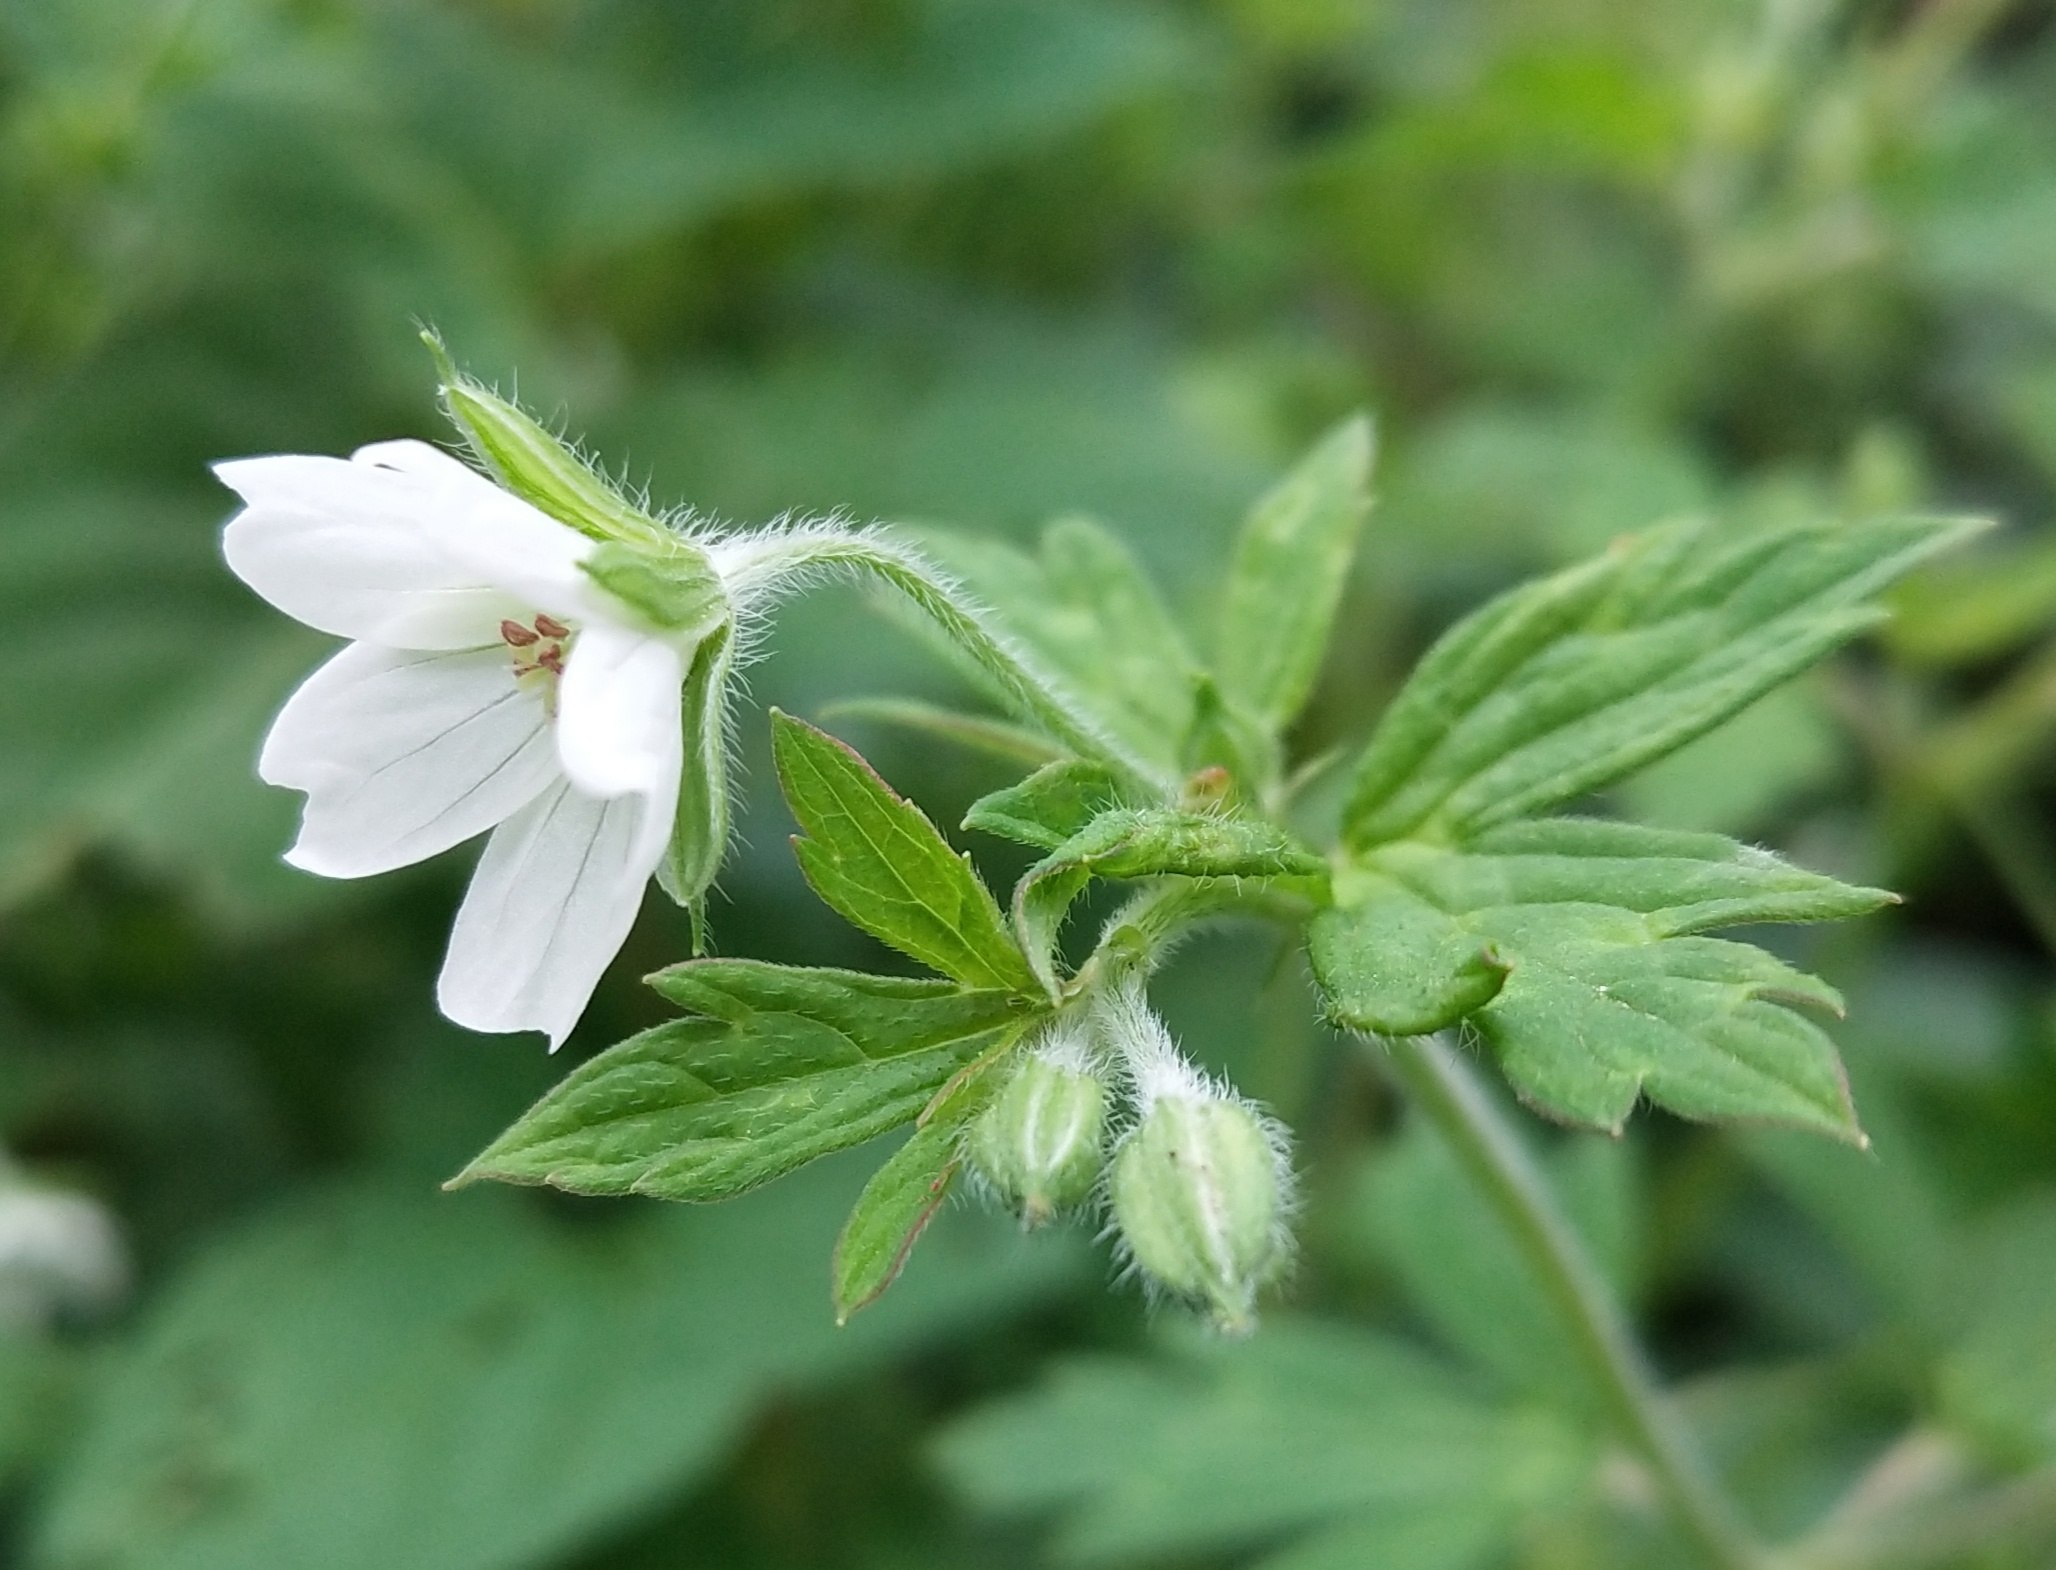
(491, 684)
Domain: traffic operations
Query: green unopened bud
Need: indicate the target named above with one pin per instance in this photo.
(1199, 1196)
(1041, 1141)
(536, 465)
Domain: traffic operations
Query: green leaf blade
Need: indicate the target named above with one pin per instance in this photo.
(1050, 806)
(1565, 686)
(1574, 948)
(781, 1067)
(903, 1196)
(1389, 963)
(1290, 567)
(877, 860)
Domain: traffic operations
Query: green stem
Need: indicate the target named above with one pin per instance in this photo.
(1034, 694)
(1445, 1090)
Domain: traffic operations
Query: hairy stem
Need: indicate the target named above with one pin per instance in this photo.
(1034, 694)
(1443, 1088)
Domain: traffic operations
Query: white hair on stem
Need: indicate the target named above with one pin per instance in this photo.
(763, 565)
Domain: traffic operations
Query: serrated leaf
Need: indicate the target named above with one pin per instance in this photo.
(1290, 567)
(1682, 882)
(784, 1065)
(903, 1196)
(1143, 842)
(1085, 607)
(1563, 686)
(1047, 808)
(1608, 991)
(878, 861)
(1304, 1431)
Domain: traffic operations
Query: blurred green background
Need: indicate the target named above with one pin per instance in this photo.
(1593, 263)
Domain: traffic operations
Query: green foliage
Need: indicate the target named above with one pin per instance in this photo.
(1285, 583)
(459, 1354)
(1050, 806)
(1562, 687)
(1343, 1442)
(1572, 946)
(883, 866)
(781, 1067)
(904, 1195)
(1149, 842)
(1595, 267)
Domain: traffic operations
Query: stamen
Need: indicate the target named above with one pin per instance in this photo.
(519, 636)
(550, 627)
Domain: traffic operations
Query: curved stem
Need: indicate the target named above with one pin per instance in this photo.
(1034, 694)
(1444, 1089)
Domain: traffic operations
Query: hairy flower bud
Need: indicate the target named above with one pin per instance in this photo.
(1200, 1186)
(1041, 1141)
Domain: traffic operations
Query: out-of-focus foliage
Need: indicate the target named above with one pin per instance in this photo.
(1595, 265)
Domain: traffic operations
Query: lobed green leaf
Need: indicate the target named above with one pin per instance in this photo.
(1572, 945)
(878, 861)
(1564, 686)
(783, 1066)
(1290, 567)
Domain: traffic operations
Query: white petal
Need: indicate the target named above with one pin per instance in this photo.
(404, 754)
(552, 900)
(401, 545)
(618, 719)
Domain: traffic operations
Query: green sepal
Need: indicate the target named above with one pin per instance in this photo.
(881, 865)
(782, 1065)
(904, 1194)
(672, 586)
(699, 836)
(1050, 805)
(534, 464)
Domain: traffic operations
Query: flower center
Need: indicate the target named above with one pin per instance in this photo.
(538, 648)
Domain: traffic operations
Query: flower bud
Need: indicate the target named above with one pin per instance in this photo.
(1040, 1143)
(1199, 1189)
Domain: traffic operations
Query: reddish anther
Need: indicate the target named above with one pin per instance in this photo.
(550, 627)
(521, 637)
